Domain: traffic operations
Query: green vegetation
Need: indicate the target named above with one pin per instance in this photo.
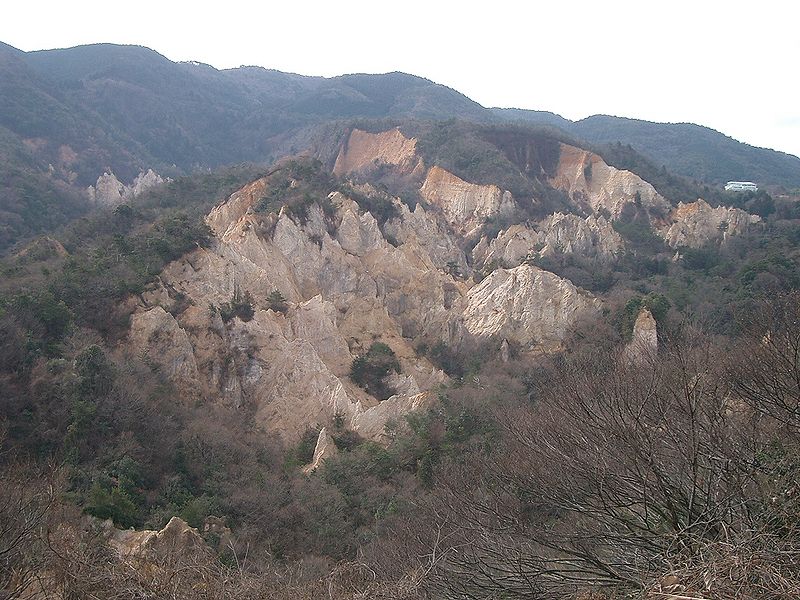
(276, 302)
(295, 187)
(303, 452)
(379, 205)
(370, 370)
(474, 154)
(240, 306)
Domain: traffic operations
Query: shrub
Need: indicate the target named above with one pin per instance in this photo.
(379, 206)
(241, 305)
(277, 302)
(370, 370)
(95, 370)
(701, 259)
(112, 503)
(303, 452)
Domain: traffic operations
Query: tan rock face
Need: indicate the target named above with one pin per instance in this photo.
(160, 339)
(644, 341)
(697, 223)
(592, 237)
(349, 282)
(510, 247)
(425, 238)
(231, 211)
(557, 234)
(364, 151)
(175, 538)
(324, 449)
(466, 206)
(526, 304)
(343, 290)
(598, 187)
(110, 191)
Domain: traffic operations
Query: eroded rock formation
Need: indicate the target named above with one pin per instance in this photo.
(365, 151)
(323, 450)
(526, 304)
(466, 206)
(110, 191)
(322, 285)
(344, 284)
(177, 537)
(560, 233)
(697, 223)
(644, 339)
(597, 187)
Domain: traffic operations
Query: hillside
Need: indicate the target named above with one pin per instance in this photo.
(481, 344)
(693, 151)
(69, 115)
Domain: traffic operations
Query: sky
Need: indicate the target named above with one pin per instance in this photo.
(733, 66)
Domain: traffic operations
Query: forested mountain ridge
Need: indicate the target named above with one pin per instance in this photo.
(395, 366)
(67, 116)
(697, 152)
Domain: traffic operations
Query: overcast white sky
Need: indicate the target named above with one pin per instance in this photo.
(733, 66)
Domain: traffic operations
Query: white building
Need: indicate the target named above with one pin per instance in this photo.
(741, 186)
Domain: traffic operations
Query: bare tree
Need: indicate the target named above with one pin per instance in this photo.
(616, 474)
(27, 494)
(765, 367)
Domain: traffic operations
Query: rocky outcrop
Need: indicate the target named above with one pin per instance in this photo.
(697, 223)
(372, 423)
(348, 281)
(230, 213)
(324, 449)
(466, 206)
(110, 191)
(176, 538)
(644, 340)
(591, 237)
(145, 181)
(509, 248)
(560, 233)
(365, 151)
(594, 186)
(526, 304)
(345, 287)
(160, 340)
(423, 237)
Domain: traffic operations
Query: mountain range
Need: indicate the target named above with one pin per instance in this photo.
(361, 337)
(69, 115)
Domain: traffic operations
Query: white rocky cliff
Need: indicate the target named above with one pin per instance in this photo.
(110, 191)
(526, 304)
(644, 338)
(697, 223)
(602, 189)
(345, 286)
(560, 233)
(466, 206)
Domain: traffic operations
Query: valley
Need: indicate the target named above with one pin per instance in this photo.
(382, 343)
